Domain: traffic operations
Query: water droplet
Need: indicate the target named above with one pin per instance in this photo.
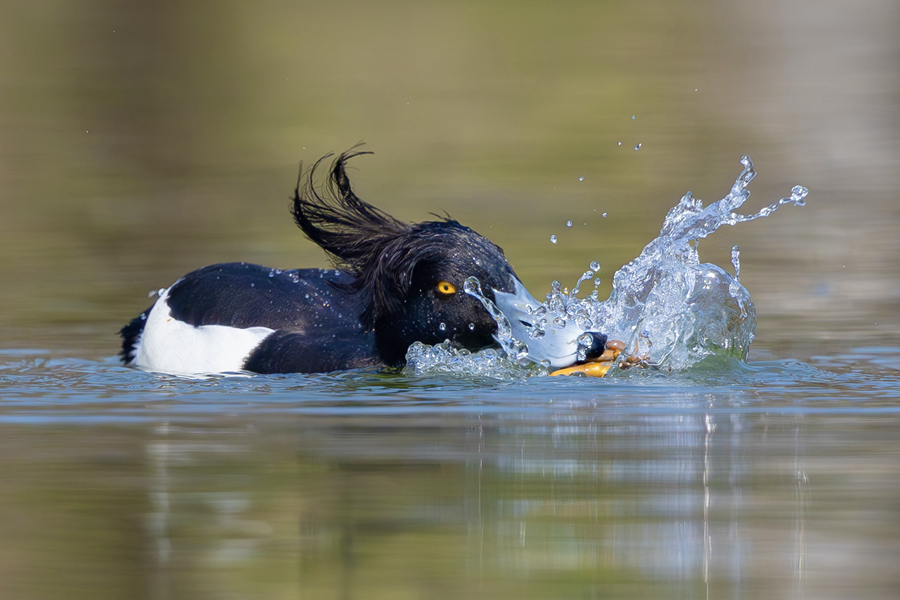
(581, 179)
(553, 239)
(736, 261)
(560, 322)
(638, 147)
(620, 143)
(471, 326)
(568, 223)
(597, 282)
(749, 172)
(442, 327)
(633, 117)
(585, 339)
(604, 215)
(798, 195)
(472, 286)
(595, 266)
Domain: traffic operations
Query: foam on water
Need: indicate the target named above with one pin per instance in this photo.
(671, 310)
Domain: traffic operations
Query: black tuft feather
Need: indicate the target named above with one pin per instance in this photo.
(379, 251)
(337, 220)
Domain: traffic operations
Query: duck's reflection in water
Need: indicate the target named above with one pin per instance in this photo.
(503, 504)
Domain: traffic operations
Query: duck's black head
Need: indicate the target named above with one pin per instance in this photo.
(409, 277)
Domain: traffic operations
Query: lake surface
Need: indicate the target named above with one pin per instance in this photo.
(778, 479)
(139, 143)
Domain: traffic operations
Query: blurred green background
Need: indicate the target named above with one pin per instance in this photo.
(139, 141)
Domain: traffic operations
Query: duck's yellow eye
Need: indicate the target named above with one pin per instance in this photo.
(445, 288)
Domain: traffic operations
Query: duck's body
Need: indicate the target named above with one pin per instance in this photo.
(242, 317)
(397, 284)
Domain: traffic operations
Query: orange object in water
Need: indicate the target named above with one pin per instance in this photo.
(599, 367)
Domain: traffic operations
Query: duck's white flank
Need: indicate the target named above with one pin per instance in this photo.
(168, 345)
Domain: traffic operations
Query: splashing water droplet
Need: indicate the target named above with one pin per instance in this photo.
(553, 239)
(584, 277)
(568, 223)
(604, 215)
(736, 261)
(472, 286)
(595, 266)
(581, 179)
(749, 172)
(638, 147)
(442, 327)
(798, 195)
(471, 326)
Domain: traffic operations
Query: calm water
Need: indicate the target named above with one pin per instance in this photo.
(777, 479)
(140, 142)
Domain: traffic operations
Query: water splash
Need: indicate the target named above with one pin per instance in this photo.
(514, 349)
(671, 310)
(736, 261)
(668, 307)
(445, 359)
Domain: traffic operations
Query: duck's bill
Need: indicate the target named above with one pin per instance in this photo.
(599, 366)
(558, 346)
